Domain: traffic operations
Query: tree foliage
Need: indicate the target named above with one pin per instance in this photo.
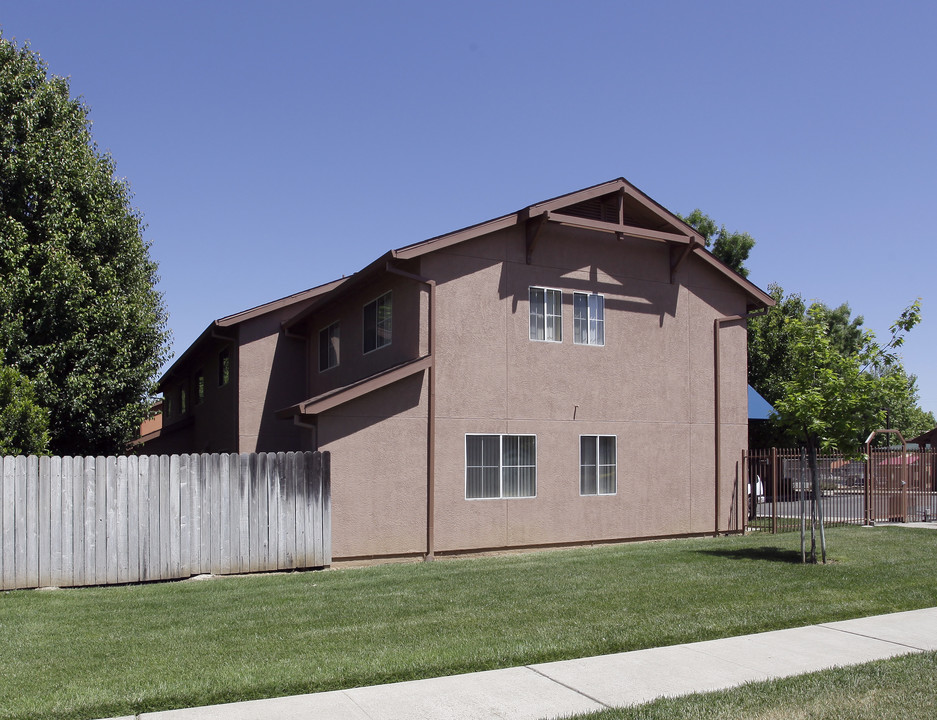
(732, 248)
(24, 424)
(834, 399)
(79, 313)
(903, 411)
(772, 339)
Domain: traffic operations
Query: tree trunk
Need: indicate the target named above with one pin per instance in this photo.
(817, 514)
(803, 508)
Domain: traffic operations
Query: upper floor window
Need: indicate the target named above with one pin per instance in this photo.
(199, 387)
(588, 319)
(500, 466)
(183, 401)
(597, 465)
(546, 314)
(378, 322)
(328, 347)
(224, 367)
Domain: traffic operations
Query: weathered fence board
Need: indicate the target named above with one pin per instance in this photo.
(96, 520)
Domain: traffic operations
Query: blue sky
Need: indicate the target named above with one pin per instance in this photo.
(275, 146)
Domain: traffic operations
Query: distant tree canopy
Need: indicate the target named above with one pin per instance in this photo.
(80, 318)
(732, 248)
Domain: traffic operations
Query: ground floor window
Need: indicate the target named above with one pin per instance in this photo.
(500, 466)
(597, 465)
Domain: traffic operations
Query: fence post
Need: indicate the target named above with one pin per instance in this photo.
(774, 490)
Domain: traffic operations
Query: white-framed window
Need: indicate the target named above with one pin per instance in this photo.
(546, 314)
(329, 346)
(500, 466)
(588, 319)
(598, 465)
(378, 317)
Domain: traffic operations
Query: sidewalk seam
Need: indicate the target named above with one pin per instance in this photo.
(873, 637)
(570, 687)
(357, 704)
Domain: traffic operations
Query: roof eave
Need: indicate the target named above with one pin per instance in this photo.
(340, 288)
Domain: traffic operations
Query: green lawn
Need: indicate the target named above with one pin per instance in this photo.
(97, 652)
(902, 688)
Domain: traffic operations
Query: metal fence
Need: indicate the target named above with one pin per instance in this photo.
(69, 521)
(888, 486)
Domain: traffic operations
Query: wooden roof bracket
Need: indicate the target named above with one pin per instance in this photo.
(533, 227)
(675, 262)
(290, 334)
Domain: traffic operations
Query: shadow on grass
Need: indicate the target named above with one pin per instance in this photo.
(772, 554)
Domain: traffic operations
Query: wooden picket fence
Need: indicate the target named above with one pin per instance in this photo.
(70, 521)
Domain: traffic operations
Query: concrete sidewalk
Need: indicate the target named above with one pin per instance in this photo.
(550, 690)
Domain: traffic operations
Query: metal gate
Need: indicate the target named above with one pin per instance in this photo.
(890, 485)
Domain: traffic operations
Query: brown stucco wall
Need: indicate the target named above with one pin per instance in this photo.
(651, 385)
(378, 470)
(408, 337)
(271, 375)
(209, 426)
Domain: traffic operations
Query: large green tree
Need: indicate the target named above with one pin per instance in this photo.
(732, 248)
(79, 312)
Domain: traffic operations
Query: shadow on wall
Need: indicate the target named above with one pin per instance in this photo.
(285, 385)
(380, 405)
(662, 303)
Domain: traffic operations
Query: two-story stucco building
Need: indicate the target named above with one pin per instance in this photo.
(573, 372)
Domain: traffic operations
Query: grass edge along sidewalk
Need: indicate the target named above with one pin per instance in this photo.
(893, 689)
(99, 652)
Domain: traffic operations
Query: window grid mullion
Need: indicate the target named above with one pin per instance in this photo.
(501, 467)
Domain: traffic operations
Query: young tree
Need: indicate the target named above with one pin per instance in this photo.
(79, 313)
(731, 248)
(24, 425)
(770, 348)
(833, 399)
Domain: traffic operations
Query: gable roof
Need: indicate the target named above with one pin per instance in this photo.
(615, 206)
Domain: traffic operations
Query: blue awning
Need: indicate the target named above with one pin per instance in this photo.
(758, 407)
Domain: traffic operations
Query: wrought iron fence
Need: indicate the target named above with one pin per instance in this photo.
(887, 486)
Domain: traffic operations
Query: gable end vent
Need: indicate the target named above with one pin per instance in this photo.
(604, 209)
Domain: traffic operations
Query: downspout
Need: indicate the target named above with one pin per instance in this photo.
(716, 395)
(312, 427)
(431, 413)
